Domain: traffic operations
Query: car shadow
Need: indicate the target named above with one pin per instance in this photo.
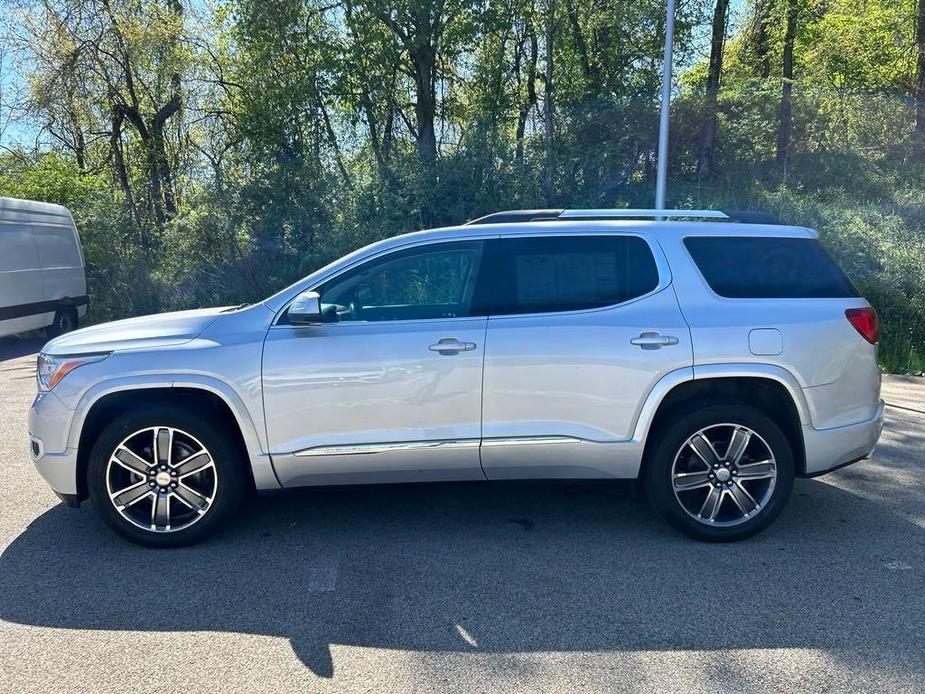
(15, 347)
(483, 567)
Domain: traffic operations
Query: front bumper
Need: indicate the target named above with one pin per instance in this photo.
(49, 421)
(828, 449)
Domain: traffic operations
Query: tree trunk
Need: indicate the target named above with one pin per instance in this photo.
(714, 74)
(420, 39)
(763, 9)
(784, 112)
(372, 126)
(920, 69)
(425, 104)
(531, 98)
(549, 180)
(118, 158)
(165, 173)
(151, 134)
(580, 44)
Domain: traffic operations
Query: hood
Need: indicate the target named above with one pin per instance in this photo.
(144, 332)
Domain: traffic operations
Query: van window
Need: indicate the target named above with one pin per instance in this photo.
(57, 246)
(563, 273)
(768, 267)
(17, 248)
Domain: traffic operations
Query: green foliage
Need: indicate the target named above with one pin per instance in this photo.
(49, 177)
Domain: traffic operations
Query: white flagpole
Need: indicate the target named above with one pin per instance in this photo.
(661, 170)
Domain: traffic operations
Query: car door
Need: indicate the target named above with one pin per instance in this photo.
(581, 327)
(388, 386)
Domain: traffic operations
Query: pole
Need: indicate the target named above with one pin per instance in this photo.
(661, 170)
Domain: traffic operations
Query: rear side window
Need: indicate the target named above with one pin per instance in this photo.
(563, 273)
(57, 246)
(762, 268)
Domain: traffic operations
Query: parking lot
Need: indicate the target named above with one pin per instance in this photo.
(470, 587)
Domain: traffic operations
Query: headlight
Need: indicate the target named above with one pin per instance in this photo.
(50, 368)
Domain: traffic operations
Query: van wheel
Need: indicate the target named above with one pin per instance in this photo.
(65, 322)
(162, 477)
(721, 473)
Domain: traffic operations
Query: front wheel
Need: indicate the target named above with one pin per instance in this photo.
(720, 473)
(162, 477)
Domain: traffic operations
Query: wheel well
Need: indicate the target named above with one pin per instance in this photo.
(110, 406)
(765, 394)
(66, 306)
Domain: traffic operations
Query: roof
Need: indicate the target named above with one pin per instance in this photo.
(13, 209)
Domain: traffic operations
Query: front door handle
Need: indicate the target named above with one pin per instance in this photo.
(447, 346)
(654, 340)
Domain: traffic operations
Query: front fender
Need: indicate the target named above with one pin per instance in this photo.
(264, 477)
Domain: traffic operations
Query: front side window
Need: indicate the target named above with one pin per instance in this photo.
(563, 273)
(432, 281)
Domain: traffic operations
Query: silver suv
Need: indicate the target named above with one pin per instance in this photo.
(712, 360)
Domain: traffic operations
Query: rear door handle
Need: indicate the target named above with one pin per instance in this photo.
(654, 340)
(448, 346)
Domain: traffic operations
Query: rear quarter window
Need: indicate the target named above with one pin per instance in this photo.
(745, 267)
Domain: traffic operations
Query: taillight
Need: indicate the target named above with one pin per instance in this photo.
(865, 321)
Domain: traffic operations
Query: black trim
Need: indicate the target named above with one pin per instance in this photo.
(819, 473)
(751, 217)
(37, 307)
(516, 216)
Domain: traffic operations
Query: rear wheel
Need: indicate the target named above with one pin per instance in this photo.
(721, 473)
(162, 477)
(65, 321)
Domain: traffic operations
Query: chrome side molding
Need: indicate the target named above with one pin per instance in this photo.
(530, 440)
(394, 446)
(387, 447)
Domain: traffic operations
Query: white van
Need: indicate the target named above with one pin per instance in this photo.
(43, 283)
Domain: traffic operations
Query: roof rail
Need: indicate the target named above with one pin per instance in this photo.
(513, 216)
(516, 216)
(631, 213)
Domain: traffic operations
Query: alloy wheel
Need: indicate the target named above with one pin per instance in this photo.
(724, 475)
(161, 479)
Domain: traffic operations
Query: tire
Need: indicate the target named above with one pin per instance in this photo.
(66, 320)
(196, 493)
(765, 471)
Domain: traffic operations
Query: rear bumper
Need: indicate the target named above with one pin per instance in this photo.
(828, 449)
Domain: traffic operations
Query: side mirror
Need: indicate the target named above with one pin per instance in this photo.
(305, 309)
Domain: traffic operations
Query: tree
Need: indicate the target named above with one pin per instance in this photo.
(920, 68)
(714, 74)
(119, 68)
(527, 51)
(147, 110)
(764, 10)
(428, 31)
(549, 180)
(785, 114)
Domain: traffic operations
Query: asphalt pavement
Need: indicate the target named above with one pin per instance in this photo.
(494, 587)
